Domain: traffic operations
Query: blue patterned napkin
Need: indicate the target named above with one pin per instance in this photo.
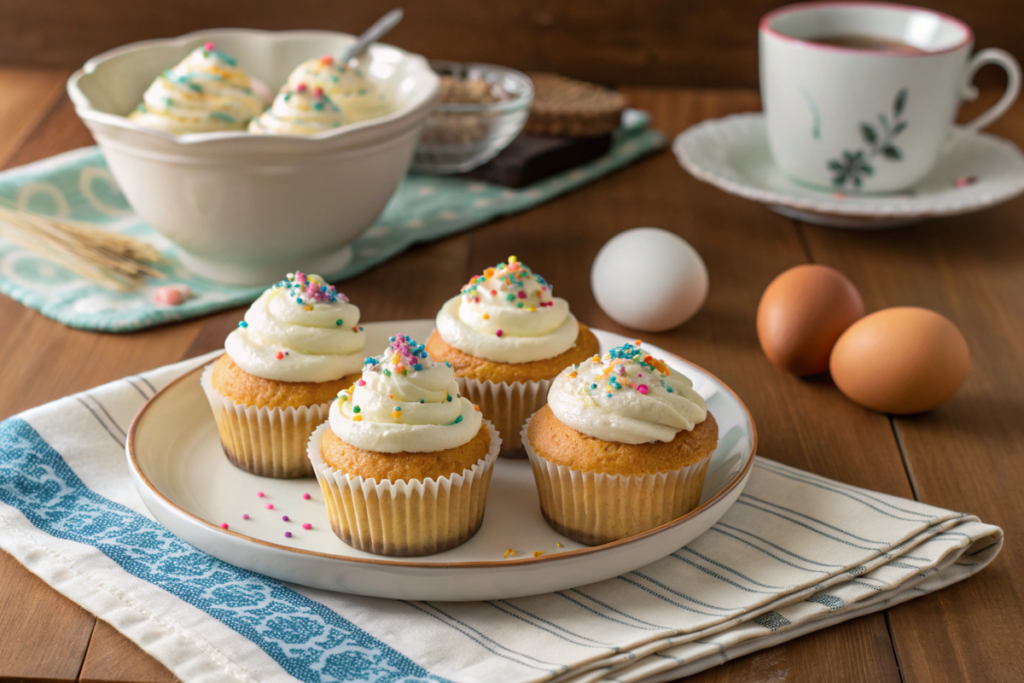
(795, 554)
(78, 185)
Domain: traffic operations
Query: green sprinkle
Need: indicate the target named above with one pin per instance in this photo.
(449, 398)
(398, 408)
(457, 420)
(511, 297)
(387, 373)
(339, 323)
(356, 409)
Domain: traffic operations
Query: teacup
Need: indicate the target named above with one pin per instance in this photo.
(862, 97)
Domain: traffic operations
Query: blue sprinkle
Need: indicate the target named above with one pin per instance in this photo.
(243, 324)
(669, 389)
(449, 398)
(593, 386)
(417, 367)
(421, 400)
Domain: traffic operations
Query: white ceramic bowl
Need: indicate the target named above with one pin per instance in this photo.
(245, 209)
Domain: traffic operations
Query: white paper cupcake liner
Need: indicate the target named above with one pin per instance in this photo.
(403, 519)
(269, 442)
(595, 508)
(508, 406)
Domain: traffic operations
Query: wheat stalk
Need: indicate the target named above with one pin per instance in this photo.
(107, 258)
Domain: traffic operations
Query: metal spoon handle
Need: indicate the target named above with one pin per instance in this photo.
(371, 35)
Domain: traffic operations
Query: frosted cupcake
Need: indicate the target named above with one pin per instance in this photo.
(205, 92)
(405, 461)
(348, 85)
(299, 111)
(508, 336)
(622, 447)
(299, 345)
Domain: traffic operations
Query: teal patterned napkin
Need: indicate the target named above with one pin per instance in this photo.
(78, 185)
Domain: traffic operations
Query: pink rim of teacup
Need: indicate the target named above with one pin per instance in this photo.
(765, 26)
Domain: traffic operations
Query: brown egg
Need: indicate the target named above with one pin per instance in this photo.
(901, 360)
(801, 315)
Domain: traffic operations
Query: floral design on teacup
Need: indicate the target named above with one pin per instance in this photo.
(853, 166)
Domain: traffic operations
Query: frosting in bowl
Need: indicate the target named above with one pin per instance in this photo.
(405, 402)
(299, 111)
(627, 396)
(508, 315)
(299, 330)
(205, 92)
(347, 84)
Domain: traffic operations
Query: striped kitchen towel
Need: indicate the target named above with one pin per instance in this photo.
(797, 553)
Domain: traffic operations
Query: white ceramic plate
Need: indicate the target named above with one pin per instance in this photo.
(181, 473)
(732, 154)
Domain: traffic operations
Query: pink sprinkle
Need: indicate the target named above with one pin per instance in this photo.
(522, 294)
(287, 534)
(318, 92)
(499, 333)
(361, 383)
(171, 296)
(307, 526)
(301, 87)
(305, 496)
(639, 374)
(284, 518)
(223, 526)
(965, 181)
(270, 506)
(245, 516)
(642, 389)
(209, 47)
(259, 494)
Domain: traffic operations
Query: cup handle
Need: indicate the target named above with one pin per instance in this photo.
(1010, 65)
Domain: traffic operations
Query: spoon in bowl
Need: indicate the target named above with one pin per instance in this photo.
(378, 30)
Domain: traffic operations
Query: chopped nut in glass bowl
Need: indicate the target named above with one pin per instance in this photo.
(483, 108)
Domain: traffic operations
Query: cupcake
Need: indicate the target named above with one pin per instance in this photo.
(507, 337)
(622, 446)
(405, 460)
(299, 111)
(348, 85)
(299, 345)
(205, 92)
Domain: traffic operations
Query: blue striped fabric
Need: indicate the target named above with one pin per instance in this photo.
(798, 552)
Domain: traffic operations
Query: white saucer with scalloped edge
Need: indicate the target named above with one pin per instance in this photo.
(979, 170)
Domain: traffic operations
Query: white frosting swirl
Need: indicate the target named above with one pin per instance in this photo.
(508, 315)
(405, 402)
(205, 92)
(299, 330)
(626, 396)
(299, 111)
(348, 85)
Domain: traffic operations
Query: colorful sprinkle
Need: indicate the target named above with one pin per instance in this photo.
(509, 552)
(538, 553)
(279, 355)
(284, 518)
(307, 526)
(499, 333)
(270, 506)
(642, 389)
(224, 526)
(287, 534)
(260, 494)
(245, 516)
(243, 324)
(305, 496)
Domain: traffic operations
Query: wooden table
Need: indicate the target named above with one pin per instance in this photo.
(967, 455)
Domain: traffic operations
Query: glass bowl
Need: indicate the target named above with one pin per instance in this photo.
(459, 137)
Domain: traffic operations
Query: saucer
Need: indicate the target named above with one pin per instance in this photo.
(979, 171)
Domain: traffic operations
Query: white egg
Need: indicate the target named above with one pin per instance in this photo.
(649, 279)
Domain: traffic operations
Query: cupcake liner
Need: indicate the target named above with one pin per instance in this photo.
(403, 519)
(269, 442)
(595, 508)
(508, 406)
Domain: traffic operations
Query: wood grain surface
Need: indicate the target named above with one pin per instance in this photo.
(965, 455)
(665, 42)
